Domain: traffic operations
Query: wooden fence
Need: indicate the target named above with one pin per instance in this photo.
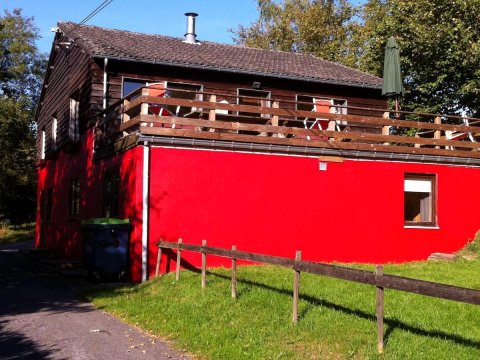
(376, 278)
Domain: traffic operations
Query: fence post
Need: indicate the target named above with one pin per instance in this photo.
(379, 309)
(159, 259)
(179, 258)
(296, 287)
(204, 266)
(234, 274)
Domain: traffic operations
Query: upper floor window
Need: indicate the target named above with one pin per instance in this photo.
(74, 118)
(257, 98)
(178, 90)
(420, 200)
(54, 132)
(130, 85)
(43, 142)
(319, 104)
(322, 105)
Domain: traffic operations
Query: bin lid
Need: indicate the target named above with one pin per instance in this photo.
(105, 221)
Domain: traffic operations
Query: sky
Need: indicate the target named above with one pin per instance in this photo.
(164, 17)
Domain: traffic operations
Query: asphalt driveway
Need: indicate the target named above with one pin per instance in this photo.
(41, 317)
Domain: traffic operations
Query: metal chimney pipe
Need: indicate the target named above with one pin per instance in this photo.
(190, 36)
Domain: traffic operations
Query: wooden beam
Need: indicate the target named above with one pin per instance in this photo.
(358, 119)
(179, 259)
(204, 266)
(159, 259)
(379, 309)
(304, 142)
(234, 274)
(304, 132)
(296, 287)
(420, 287)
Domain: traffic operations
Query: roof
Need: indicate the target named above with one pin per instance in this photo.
(159, 49)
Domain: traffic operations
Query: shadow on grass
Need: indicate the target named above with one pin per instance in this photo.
(392, 323)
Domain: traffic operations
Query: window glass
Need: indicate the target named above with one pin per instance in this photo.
(54, 133)
(183, 91)
(74, 198)
(42, 144)
(254, 98)
(111, 193)
(419, 200)
(73, 124)
(130, 85)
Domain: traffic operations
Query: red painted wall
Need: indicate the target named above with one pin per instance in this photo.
(63, 232)
(353, 212)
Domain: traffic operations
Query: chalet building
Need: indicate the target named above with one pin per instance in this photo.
(269, 151)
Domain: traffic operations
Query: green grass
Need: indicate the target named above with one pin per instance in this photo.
(337, 318)
(13, 234)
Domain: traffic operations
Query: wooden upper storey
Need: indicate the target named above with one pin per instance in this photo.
(293, 110)
(307, 125)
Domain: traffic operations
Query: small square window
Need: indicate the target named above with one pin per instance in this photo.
(420, 200)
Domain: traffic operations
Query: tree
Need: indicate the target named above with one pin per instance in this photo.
(320, 27)
(439, 40)
(440, 50)
(21, 69)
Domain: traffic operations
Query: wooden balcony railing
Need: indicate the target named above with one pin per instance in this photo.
(208, 116)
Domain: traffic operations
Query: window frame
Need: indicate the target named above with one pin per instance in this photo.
(43, 143)
(111, 198)
(74, 191)
(433, 222)
(74, 117)
(54, 130)
(333, 101)
(267, 99)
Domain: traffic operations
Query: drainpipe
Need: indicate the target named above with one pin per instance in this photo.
(105, 83)
(145, 212)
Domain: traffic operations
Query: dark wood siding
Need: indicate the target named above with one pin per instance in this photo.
(69, 73)
(283, 90)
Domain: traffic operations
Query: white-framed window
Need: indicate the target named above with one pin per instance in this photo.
(43, 142)
(253, 97)
(323, 105)
(178, 90)
(333, 106)
(74, 118)
(420, 205)
(54, 133)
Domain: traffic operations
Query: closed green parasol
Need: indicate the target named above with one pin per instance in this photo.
(392, 75)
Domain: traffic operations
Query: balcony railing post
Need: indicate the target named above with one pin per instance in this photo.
(275, 105)
(437, 134)
(212, 112)
(144, 106)
(386, 129)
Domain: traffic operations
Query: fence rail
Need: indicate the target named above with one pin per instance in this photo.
(376, 278)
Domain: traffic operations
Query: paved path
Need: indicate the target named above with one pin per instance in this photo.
(42, 318)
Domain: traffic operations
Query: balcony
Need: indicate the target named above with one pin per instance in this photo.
(186, 118)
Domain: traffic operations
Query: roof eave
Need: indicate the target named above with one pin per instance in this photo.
(240, 71)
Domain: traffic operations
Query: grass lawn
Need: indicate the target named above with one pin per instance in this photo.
(337, 318)
(17, 233)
